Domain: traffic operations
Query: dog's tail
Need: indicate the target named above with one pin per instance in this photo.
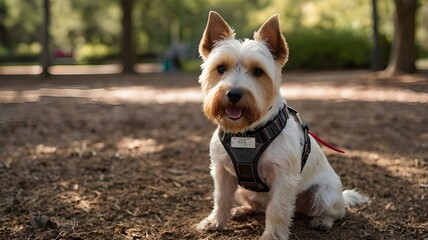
(352, 198)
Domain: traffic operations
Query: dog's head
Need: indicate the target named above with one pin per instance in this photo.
(240, 79)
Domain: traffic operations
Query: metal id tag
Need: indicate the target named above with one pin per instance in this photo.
(243, 142)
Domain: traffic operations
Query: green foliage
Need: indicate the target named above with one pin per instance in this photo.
(321, 34)
(95, 22)
(332, 48)
(327, 48)
(95, 53)
(18, 23)
(192, 66)
(24, 53)
(32, 48)
(3, 52)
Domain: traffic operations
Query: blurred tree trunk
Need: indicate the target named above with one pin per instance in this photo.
(128, 56)
(376, 61)
(45, 54)
(4, 38)
(403, 53)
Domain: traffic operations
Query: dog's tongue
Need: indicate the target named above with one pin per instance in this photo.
(234, 112)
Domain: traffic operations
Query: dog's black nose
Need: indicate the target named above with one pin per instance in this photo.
(234, 95)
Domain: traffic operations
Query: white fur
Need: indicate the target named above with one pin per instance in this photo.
(279, 165)
(353, 198)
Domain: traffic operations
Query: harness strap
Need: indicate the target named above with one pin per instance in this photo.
(245, 149)
(306, 139)
(248, 148)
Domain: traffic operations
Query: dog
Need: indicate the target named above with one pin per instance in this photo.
(261, 154)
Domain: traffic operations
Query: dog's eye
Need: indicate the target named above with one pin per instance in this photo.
(257, 72)
(221, 69)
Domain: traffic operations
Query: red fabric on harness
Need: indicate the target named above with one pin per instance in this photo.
(325, 143)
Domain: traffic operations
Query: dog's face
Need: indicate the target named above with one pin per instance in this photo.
(240, 79)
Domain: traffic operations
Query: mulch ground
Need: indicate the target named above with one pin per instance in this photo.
(103, 157)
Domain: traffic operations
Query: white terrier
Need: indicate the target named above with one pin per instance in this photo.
(261, 153)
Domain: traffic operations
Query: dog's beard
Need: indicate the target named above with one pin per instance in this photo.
(231, 117)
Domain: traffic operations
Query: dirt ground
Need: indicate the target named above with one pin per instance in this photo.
(126, 157)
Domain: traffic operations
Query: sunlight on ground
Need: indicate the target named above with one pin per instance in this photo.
(144, 95)
(396, 165)
(353, 93)
(143, 145)
(21, 70)
(78, 69)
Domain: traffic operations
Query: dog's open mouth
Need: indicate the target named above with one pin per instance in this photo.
(234, 113)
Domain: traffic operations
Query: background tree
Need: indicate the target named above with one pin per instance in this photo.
(376, 61)
(403, 52)
(45, 55)
(127, 44)
(4, 40)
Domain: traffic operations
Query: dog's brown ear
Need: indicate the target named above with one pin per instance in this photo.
(216, 30)
(270, 32)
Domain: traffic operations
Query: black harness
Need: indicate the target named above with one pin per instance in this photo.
(246, 148)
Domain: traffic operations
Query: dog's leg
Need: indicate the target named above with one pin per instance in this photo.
(280, 209)
(327, 206)
(248, 203)
(224, 188)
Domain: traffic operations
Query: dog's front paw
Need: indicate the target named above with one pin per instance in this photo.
(209, 224)
(322, 223)
(275, 235)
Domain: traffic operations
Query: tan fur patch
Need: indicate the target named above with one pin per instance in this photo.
(216, 30)
(270, 32)
(213, 76)
(215, 105)
(265, 83)
(251, 64)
